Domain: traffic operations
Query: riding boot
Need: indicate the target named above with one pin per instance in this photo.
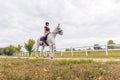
(44, 41)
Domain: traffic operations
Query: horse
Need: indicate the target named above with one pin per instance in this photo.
(50, 41)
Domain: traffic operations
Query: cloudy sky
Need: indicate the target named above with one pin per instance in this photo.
(85, 22)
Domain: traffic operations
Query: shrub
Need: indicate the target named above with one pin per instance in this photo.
(1, 51)
(9, 50)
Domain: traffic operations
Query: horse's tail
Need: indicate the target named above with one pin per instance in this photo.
(35, 45)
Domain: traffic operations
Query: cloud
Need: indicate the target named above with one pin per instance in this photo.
(84, 22)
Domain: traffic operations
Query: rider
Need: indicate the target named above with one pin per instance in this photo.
(46, 31)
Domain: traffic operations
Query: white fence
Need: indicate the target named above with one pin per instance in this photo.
(85, 49)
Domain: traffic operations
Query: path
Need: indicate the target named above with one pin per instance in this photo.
(94, 59)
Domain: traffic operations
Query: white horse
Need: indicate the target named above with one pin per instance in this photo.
(50, 41)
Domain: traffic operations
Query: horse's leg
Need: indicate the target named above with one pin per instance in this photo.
(37, 47)
(34, 49)
(53, 44)
(51, 51)
(43, 47)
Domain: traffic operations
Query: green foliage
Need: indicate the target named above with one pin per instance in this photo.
(67, 49)
(28, 78)
(74, 49)
(29, 45)
(111, 44)
(35, 60)
(9, 50)
(97, 47)
(1, 51)
(68, 62)
(18, 48)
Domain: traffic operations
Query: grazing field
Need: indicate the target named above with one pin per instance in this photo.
(42, 69)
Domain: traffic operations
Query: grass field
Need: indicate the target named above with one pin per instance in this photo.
(100, 54)
(112, 54)
(41, 69)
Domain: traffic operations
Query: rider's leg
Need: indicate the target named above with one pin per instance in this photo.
(44, 38)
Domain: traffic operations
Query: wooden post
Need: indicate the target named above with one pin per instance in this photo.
(46, 53)
(61, 53)
(22, 54)
(72, 51)
(86, 52)
(40, 53)
(106, 50)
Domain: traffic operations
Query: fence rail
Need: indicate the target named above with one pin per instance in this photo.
(105, 48)
(84, 49)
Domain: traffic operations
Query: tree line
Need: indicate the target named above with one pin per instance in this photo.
(10, 50)
(110, 43)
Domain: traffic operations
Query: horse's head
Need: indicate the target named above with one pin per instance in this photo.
(59, 30)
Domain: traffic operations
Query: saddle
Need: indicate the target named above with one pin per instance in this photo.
(43, 40)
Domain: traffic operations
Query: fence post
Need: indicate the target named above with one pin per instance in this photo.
(72, 51)
(61, 53)
(106, 50)
(28, 54)
(86, 52)
(40, 53)
(46, 53)
(22, 54)
(34, 54)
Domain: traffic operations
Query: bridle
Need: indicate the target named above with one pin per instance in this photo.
(57, 32)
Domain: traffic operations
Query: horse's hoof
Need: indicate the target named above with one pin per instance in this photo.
(44, 57)
(51, 57)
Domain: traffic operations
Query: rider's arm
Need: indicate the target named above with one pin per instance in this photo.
(45, 29)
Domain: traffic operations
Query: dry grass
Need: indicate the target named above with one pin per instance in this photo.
(112, 54)
(39, 69)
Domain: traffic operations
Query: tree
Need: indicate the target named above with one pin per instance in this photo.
(29, 45)
(111, 44)
(10, 50)
(74, 49)
(67, 49)
(18, 48)
(1, 51)
(97, 47)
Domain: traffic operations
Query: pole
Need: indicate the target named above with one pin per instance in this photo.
(72, 51)
(106, 50)
(86, 52)
(61, 53)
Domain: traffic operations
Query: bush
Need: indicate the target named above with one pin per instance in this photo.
(1, 51)
(29, 46)
(9, 50)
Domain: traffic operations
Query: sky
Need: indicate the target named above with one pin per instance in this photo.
(84, 22)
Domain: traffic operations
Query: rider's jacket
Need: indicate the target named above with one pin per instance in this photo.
(47, 29)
